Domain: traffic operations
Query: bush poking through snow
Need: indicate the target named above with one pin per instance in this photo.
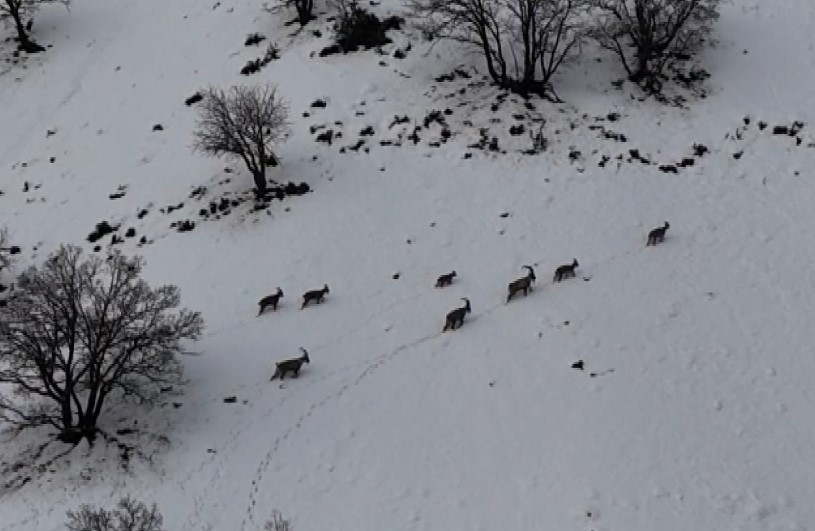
(357, 28)
(253, 39)
(647, 35)
(277, 523)
(18, 11)
(255, 65)
(129, 515)
(552, 31)
(244, 122)
(78, 331)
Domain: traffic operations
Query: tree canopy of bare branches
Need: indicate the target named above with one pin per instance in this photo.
(129, 515)
(20, 11)
(648, 34)
(76, 331)
(523, 42)
(244, 122)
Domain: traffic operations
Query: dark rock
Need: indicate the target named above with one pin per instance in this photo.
(195, 98)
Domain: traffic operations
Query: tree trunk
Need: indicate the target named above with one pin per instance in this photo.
(260, 180)
(67, 416)
(26, 44)
(304, 8)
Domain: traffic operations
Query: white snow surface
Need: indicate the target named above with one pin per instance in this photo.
(695, 408)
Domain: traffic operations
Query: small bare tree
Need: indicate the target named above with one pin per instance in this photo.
(304, 8)
(75, 331)
(244, 122)
(523, 42)
(648, 34)
(277, 523)
(20, 11)
(129, 515)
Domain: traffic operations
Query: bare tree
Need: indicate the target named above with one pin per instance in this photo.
(653, 32)
(21, 10)
(129, 515)
(244, 122)
(76, 331)
(523, 42)
(304, 8)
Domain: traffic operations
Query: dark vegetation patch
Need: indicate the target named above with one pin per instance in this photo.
(357, 28)
(256, 65)
(103, 228)
(253, 39)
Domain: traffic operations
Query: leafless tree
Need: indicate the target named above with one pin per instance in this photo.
(77, 331)
(20, 11)
(523, 42)
(129, 515)
(304, 8)
(244, 122)
(648, 34)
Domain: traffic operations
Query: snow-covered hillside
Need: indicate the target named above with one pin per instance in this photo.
(694, 408)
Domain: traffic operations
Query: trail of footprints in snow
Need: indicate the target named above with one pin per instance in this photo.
(223, 455)
(231, 443)
(377, 362)
(373, 365)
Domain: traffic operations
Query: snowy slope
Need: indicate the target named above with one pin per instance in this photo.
(694, 411)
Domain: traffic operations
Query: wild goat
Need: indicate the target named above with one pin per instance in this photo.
(456, 318)
(565, 271)
(446, 280)
(522, 284)
(315, 295)
(657, 235)
(292, 365)
(270, 300)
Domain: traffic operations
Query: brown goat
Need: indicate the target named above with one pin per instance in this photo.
(657, 235)
(522, 284)
(292, 366)
(456, 318)
(270, 300)
(446, 279)
(565, 271)
(315, 296)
